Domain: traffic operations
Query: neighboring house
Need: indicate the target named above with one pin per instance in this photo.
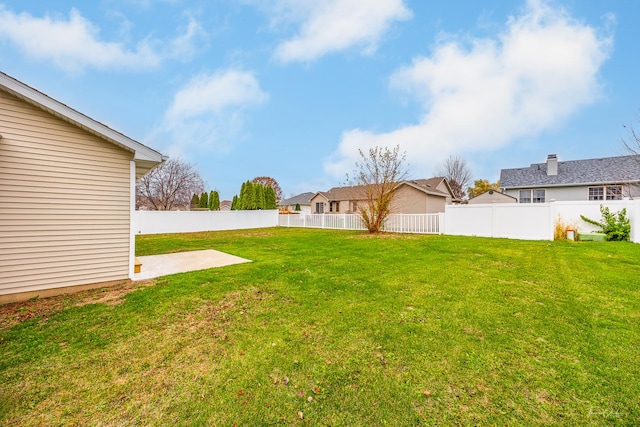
(609, 178)
(411, 197)
(67, 191)
(304, 200)
(491, 196)
(225, 205)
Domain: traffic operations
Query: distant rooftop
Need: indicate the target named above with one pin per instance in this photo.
(302, 199)
(358, 192)
(606, 170)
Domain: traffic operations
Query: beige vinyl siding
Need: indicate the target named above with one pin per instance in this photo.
(435, 204)
(319, 199)
(408, 200)
(64, 202)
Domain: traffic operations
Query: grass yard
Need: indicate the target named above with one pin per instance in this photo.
(334, 328)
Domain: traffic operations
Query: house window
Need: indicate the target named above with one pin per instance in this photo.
(614, 192)
(319, 207)
(337, 206)
(596, 193)
(609, 192)
(538, 196)
(525, 196)
(334, 207)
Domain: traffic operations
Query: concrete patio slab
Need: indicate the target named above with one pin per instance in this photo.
(161, 265)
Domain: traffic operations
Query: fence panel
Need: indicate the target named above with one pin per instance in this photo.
(413, 223)
(397, 223)
(158, 222)
(533, 221)
(516, 221)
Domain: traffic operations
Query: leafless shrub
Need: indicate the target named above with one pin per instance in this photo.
(169, 186)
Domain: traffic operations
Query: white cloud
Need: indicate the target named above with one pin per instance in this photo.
(184, 46)
(333, 25)
(483, 94)
(213, 93)
(209, 111)
(73, 43)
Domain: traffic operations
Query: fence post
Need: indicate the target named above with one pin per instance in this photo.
(552, 219)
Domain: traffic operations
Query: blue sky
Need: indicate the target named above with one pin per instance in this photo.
(292, 89)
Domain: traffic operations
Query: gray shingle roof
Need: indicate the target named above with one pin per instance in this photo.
(303, 199)
(607, 170)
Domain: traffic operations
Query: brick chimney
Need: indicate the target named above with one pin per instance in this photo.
(552, 164)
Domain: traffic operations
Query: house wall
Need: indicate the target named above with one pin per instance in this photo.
(577, 193)
(409, 200)
(557, 193)
(337, 206)
(493, 197)
(443, 187)
(436, 204)
(65, 197)
(334, 207)
(319, 199)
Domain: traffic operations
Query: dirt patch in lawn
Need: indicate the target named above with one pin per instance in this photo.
(16, 313)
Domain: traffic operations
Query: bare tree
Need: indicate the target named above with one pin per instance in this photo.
(456, 171)
(632, 142)
(632, 147)
(378, 174)
(169, 186)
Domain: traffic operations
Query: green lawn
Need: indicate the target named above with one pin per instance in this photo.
(343, 328)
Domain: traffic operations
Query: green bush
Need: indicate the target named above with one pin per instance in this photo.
(214, 201)
(615, 226)
(195, 201)
(204, 201)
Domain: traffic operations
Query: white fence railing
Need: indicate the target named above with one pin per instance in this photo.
(414, 223)
(396, 223)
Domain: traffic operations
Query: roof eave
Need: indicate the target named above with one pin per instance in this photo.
(433, 192)
(141, 153)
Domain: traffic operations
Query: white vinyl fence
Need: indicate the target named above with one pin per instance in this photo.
(533, 221)
(530, 221)
(159, 222)
(396, 223)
